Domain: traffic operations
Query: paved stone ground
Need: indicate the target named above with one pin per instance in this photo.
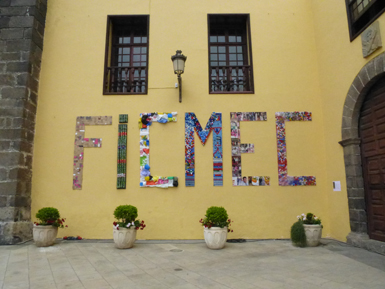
(188, 265)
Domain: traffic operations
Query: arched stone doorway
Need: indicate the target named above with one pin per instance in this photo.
(364, 81)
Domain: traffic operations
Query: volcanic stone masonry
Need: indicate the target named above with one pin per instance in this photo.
(22, 25)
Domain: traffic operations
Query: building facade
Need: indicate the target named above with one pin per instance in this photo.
(280, 114)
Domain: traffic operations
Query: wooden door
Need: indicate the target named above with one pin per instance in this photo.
(372, 133)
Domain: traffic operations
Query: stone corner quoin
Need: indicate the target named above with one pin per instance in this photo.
(22, 25)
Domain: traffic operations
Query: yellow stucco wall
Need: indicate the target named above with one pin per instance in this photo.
(339, 62)
(286, 78)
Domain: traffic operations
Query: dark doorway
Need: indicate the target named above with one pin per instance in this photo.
(372, 134)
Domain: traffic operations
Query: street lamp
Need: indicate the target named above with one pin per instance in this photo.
(178, 61)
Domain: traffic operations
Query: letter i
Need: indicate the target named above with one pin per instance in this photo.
(122, 152)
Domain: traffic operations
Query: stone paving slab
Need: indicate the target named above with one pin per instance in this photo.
(190, 265)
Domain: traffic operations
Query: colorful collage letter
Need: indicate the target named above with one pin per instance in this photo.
(214, 124)
(146, 179)
(238, 148)
(283, 178)
(81, 143)
(122, 152)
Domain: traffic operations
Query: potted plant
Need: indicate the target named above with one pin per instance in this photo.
(45, 231)
(309, 226)
(126, 227)
(297, 234)
(216, 225)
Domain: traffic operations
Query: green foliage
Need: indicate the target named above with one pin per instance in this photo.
(126, 213)
(297, 234)
(309, 216)
(49, 216)
(311, 219)
(216, 217)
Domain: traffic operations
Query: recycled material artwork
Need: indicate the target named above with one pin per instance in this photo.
(283, 178)
(122, 152)
(238, 148)
(214, 124)
(81, 143)
(146, 179)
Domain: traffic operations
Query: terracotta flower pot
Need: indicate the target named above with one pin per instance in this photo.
(215, 237)
(124, 238)
(44, 236)
(313, 235)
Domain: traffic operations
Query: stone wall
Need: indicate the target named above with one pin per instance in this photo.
(22, 25)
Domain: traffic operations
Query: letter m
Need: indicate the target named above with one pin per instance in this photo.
(214, 124)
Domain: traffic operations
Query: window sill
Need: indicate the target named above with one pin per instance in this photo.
(124, 93)
(231, 92)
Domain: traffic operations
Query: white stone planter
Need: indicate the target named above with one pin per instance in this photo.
(215, 237)
(124, 238)
(44, 236)
(313, 234)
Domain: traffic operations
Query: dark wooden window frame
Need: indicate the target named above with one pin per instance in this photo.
(108, 55)
(249, 51)
(368, 17)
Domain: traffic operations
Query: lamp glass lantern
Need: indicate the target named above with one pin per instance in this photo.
(178, 60)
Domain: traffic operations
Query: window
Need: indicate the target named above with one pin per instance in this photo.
(230, 61)
(126, 60)
(362, 13)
